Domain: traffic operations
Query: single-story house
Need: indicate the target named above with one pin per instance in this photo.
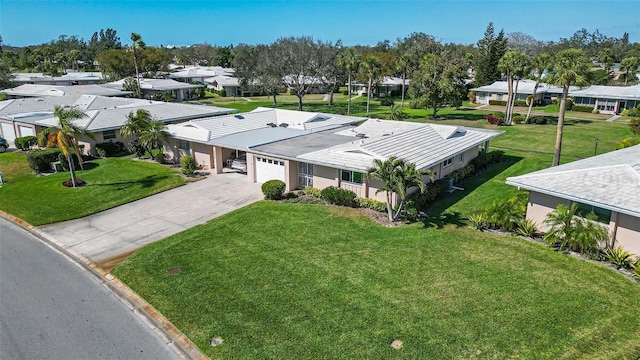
(105, 115)
(70, 78)
(545, 93)
(199, 74)
(607, 184)
(607, 99)
(38, 90)
(230, 84)
(321, 150)
(153, 87)
(388, 86)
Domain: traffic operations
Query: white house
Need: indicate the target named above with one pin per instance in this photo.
(607, 99)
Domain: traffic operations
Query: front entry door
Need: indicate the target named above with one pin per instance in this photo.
(305, 175)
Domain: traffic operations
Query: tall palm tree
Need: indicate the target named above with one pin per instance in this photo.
(570, 67)
(404, 64)
(136, 125)
(540, 64)
(152, 137)
(349, 61)
(65, 135)
(397, 177)
(514, 65)
(629, 65)
(136, 42)
(521, 69)
(371, 68)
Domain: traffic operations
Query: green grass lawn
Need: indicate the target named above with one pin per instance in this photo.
(288, 281)
(110, 182)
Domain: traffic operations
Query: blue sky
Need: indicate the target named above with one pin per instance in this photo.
(28, 22)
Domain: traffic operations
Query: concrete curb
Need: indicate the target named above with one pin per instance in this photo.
(176, 340)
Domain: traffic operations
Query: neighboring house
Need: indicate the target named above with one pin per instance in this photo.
(157, 87)
(231, 85)
(38, 90)
(199, 74)
(71, 78)
(105, 115)
(545, 93)
(607, 184)
(388, 86)
(607, 99)
(315, 83)
(321, 150)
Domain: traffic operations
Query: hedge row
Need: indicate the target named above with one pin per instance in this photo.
(107, 149)
(582, 108)
(26, 142)
(40, 160)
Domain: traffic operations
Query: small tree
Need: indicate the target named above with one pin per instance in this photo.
(568, 229)
(188, 164)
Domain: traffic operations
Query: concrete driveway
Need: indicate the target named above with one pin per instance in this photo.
(108, 237)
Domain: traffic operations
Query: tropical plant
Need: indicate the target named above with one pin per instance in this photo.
(397, 177)
(570, 67)
(137, 43)
(629, 65)
(479, 221)
(636, 269)
(568, 229)
(188, 164)
(397, 113)
(64, 135)
(515, 65)
(506, 214)
(527, 228)
(370, 68)
(405, 62)
(148, 131)
(619, 257)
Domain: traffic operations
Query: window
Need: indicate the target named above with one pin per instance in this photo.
(447, 162)
(603, 215)
(461, 158)
(499, 96)
(108, 134)
(184, 145)
(351, 176)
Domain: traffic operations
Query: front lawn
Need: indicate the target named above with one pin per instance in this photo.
(110, 182)
(307, 281)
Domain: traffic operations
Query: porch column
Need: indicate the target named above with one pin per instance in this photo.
(218, 162)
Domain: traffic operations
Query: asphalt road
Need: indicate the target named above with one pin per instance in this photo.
(51, 308)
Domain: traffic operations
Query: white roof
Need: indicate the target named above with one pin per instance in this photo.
(155, 84)
(31, 90)
(70, 76)
(610, 181)
(388, 81)
(525, 86)
(609, 92)
(223, 80)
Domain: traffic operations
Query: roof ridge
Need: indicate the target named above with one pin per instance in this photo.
(569, 171)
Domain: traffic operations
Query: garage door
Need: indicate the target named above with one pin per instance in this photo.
(7, 131)
(25, 130)
(268, 169)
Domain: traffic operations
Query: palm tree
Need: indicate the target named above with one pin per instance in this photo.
(570, 67)
(568, 228)
(540, 63)
(137, 42)
(350, 62)
(371, 68)
(404, 64)
(397, 113)
(521, 69)
(629, 65)
(514, 65)
(136, 125)
(152, 137)
(397, 177)
(65, 135)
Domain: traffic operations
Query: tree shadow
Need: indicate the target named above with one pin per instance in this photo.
(90, 165)
(442, 219)
(473, 117)
(145, 182)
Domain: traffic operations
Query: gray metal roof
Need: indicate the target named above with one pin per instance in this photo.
(610, 181)
(291, 148)
(34, 90)
(247, 139)
(524, 87)
(609, 92)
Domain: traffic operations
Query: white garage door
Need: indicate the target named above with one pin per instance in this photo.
(268, 169)
(8, 132)
(25, 130)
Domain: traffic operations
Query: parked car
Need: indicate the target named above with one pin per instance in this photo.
(4, 145)
(240, 163)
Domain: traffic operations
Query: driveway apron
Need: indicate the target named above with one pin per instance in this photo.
(110, 236)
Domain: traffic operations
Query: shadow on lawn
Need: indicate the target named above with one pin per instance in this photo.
(145, 182)
(437, 211)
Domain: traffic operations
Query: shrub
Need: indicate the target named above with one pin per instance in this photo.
(461, 174)
(372, 204)
(485, 160)
(493, 120)
(517, 118)
(386, 101)
(109, 148)
(160, 158)
(471, 96)
(506, 214)
(415, 104)
(498, 102)
(273, 189)
(222, 93)
(499, 114)
(582, 108)
(188, 164)
(634, 125)
(64, 163)
(432, 190)
(636, 270)
(539, 120)
(595, 111)
(346, 92)
(627, 142)
(337, 196)
(101, 152)
(569, 105)
(526, 227)
(39, 160)
(311, 191)
(619, 257)
(136, 148)
(479, 221)
(520, 103)
(26, 142)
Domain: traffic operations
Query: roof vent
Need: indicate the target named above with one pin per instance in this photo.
(361, 135)
(271, 124)
(239, 117)
(284, 125)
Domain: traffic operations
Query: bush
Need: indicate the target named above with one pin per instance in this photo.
(526, 227)
(337, 196)
(386, 101)
(39, 160)
(160, 158)
(221, 93)
(415, 104)
(493, 120)
(498, 102)
(346, 92)
(520, 103)
(539, 120)
(109, 148)
(273, 189)
(26, 142)
(471, 96)
(619, 257)
(479, 221)
(583, 108)
(634, 125)
(65, 163)
(569, 105)
(372, 204)
(517, 119)
(485, 160)
(136, 148)
(595, 111)
(311, 191)
(461, 174)
(188, 164)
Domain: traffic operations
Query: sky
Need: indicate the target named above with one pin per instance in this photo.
(355, 22)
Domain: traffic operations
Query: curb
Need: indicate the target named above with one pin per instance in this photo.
(176, 340)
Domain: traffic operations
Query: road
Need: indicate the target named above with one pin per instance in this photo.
(52, 308)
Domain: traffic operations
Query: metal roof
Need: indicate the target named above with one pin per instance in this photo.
(291, 148)
(609, 92)
(524, 87)
(34, 90)
(610, 181)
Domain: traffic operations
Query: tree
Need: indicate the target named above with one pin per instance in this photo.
(136, 42)
(349, 61)
(629, 65)
(117, 63)
(152, 136)
(148, 131)
(436, 84)
(65, 135)
(329, 70)
(490, 49)
(299, 58)
(371, 69)
(570, 67)
(524, 43)
(606, 58)
(154, 60)
(6, 78)
(397, 177)
(515, 65)
(397, 113)
(404, 65)
(540, 64)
